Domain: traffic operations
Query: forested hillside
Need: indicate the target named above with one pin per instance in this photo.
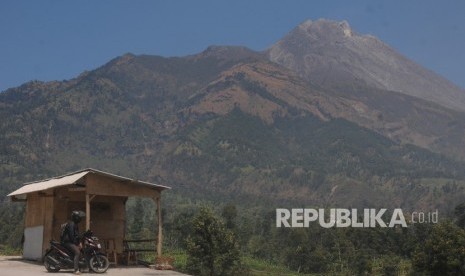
(231, 129)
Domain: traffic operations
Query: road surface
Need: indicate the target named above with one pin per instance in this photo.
(16, 266)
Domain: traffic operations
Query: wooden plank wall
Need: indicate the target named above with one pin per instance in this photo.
(39, 212)
(48, 221)
(108, 214)
(34, 210)
(108, 219)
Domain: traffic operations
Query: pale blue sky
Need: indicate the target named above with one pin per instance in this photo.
(56, 40)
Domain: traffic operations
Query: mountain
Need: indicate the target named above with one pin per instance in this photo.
(332, 55)
(392, 95)
(231, 124)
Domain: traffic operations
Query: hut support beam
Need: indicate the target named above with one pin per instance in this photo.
(88, 200)
(160, 226)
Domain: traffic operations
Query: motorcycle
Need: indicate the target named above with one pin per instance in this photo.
(58, 256)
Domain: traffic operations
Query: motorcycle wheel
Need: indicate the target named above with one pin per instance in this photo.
(49, 266)
(99, 263)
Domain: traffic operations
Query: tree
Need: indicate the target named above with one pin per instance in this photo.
(137, 224)
(212, 249)
(459, 213)
(230, 214)
(304, 253)
(443, 252)
(178, 229)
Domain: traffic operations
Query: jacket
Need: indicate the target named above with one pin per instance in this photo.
(71, 233)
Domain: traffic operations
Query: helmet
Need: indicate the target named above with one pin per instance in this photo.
(76, 216)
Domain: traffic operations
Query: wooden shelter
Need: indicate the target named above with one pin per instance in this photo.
(101, 195)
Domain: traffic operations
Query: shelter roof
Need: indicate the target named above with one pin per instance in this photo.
(74, 179)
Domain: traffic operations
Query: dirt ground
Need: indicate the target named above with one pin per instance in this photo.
(16, 266)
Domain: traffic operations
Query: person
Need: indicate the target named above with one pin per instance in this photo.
(71, 238)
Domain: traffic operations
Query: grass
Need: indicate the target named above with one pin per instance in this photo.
(180, 258)
(254, 266)
(261, 267)
(9, 251)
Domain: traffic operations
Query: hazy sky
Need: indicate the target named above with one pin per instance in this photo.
(55, 40)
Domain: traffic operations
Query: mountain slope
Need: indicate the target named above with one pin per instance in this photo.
(331, 55)
(228, 123)
(390, 94)
(399, 117)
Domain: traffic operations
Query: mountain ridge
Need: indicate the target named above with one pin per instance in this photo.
(331, 54)
(230, 121)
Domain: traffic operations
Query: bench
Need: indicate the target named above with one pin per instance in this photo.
(132, 247)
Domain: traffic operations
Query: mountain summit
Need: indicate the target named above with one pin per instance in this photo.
(332, 55)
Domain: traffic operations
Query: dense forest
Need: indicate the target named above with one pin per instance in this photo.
(357, 167)
(427, 248)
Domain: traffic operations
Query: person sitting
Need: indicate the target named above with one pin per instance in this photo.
(70, 237)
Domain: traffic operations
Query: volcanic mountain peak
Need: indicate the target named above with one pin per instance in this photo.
(330, 54)
(323, 28)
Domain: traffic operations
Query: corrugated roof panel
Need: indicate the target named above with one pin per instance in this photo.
(70, 179)
(49, 183)
(134, 181)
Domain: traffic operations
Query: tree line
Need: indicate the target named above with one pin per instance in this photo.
(216, 239)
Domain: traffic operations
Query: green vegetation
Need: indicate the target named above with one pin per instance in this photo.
(442, 252)
(212, 249)
(240, 165)
(135, 117)
(10, 251)
(420, 249)
(259, 267)
(11, 228)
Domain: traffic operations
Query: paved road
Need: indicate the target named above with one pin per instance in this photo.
(16, 266)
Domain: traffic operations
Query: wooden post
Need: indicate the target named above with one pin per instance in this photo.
(88, 200)
(160, 226)
(48, 220)
(87, 212)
